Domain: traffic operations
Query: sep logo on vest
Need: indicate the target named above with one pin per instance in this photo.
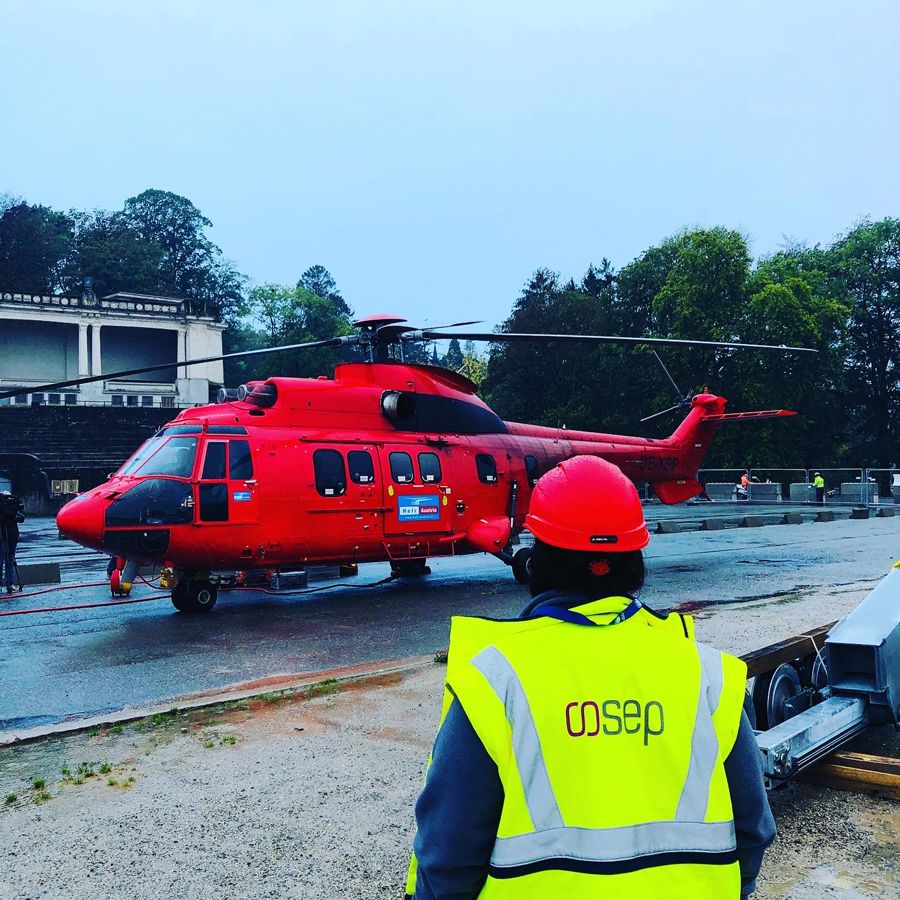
(587, 718)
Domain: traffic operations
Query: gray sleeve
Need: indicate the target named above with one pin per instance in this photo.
(457, 813)
(753, 822)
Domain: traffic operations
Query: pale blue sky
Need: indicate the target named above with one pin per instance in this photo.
(433, 155)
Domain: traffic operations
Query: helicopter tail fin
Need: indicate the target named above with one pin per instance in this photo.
(692, 439)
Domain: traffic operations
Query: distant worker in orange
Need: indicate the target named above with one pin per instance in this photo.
(743, 492)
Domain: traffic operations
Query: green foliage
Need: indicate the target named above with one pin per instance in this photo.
(273, 315)
(474, 366)
(35, 243)
(865, 267)
(454, 358)
(843, 301)
(156, 244)
(321, 689)
(9, 799)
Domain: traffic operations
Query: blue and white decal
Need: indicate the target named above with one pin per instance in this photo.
(419, 508)
(241, 496)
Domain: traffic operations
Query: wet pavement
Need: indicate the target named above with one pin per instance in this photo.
(57, 665)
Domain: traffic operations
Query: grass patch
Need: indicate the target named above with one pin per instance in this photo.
(271, 697)
(112, 782)
(9, 799)
(38, 784)
(116, 729)
(66, 773)
(94, 732)
(321, 689)
(105, 768)
(208, 745)
(228, 739)
(86, 770)
(440, 657)
(41, 797)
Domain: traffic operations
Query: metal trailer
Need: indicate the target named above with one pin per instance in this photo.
(816, 703)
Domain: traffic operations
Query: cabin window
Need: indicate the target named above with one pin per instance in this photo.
(214, 463)
(401, 468)
(362, 469)
(487, 468)
(429, 467)
(214, 502)
(176, 458)
(331, 478)
(531, 470)
(240, 463)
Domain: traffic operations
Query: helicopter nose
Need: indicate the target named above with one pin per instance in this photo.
(81, 520)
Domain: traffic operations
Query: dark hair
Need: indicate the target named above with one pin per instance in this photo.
(555, 568)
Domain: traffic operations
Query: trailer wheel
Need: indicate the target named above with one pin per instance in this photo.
(521, 565)
(771, 691)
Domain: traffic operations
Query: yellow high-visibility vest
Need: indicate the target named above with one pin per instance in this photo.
(610, 745)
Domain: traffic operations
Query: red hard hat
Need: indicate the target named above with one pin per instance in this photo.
(588, 504)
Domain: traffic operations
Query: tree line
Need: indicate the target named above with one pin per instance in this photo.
(842, 299)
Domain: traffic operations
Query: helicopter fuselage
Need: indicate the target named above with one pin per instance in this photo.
(386, 461)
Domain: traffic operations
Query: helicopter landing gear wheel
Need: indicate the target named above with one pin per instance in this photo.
(194, 596)
(410, 568)
(521, 565)
(771, 693)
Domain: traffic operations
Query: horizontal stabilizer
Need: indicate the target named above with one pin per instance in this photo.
(746, 416)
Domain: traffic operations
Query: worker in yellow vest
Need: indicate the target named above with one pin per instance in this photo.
(819, 485)
(590, 748)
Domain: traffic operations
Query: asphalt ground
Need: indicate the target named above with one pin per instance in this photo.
(56, 666)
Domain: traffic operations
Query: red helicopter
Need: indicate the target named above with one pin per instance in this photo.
(386, 461)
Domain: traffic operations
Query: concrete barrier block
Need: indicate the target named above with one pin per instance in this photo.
(824, 515)
(712, 525)
(765, 492)
(664, 527)
(792, 518)
(802, 492)
(721, 490)
(752, 522)
(39, 573)
(886, 512)
(859, 512)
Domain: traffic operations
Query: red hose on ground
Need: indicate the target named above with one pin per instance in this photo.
(70, 587)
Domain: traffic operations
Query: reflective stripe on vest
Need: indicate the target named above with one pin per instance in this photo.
(608, 850)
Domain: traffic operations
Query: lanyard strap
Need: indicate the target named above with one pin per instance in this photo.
(564, 614)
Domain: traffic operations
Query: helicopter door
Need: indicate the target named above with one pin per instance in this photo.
(417, 490)
(228, 490)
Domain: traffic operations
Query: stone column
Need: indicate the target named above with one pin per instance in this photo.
(83, 364)
(182, 384)
(95, 350)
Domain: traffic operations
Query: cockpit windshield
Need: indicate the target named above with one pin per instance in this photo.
(163, 456)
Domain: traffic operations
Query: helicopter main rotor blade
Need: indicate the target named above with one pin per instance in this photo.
(677, 391)
(453, 325)
(513, 338)
(125, 373)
